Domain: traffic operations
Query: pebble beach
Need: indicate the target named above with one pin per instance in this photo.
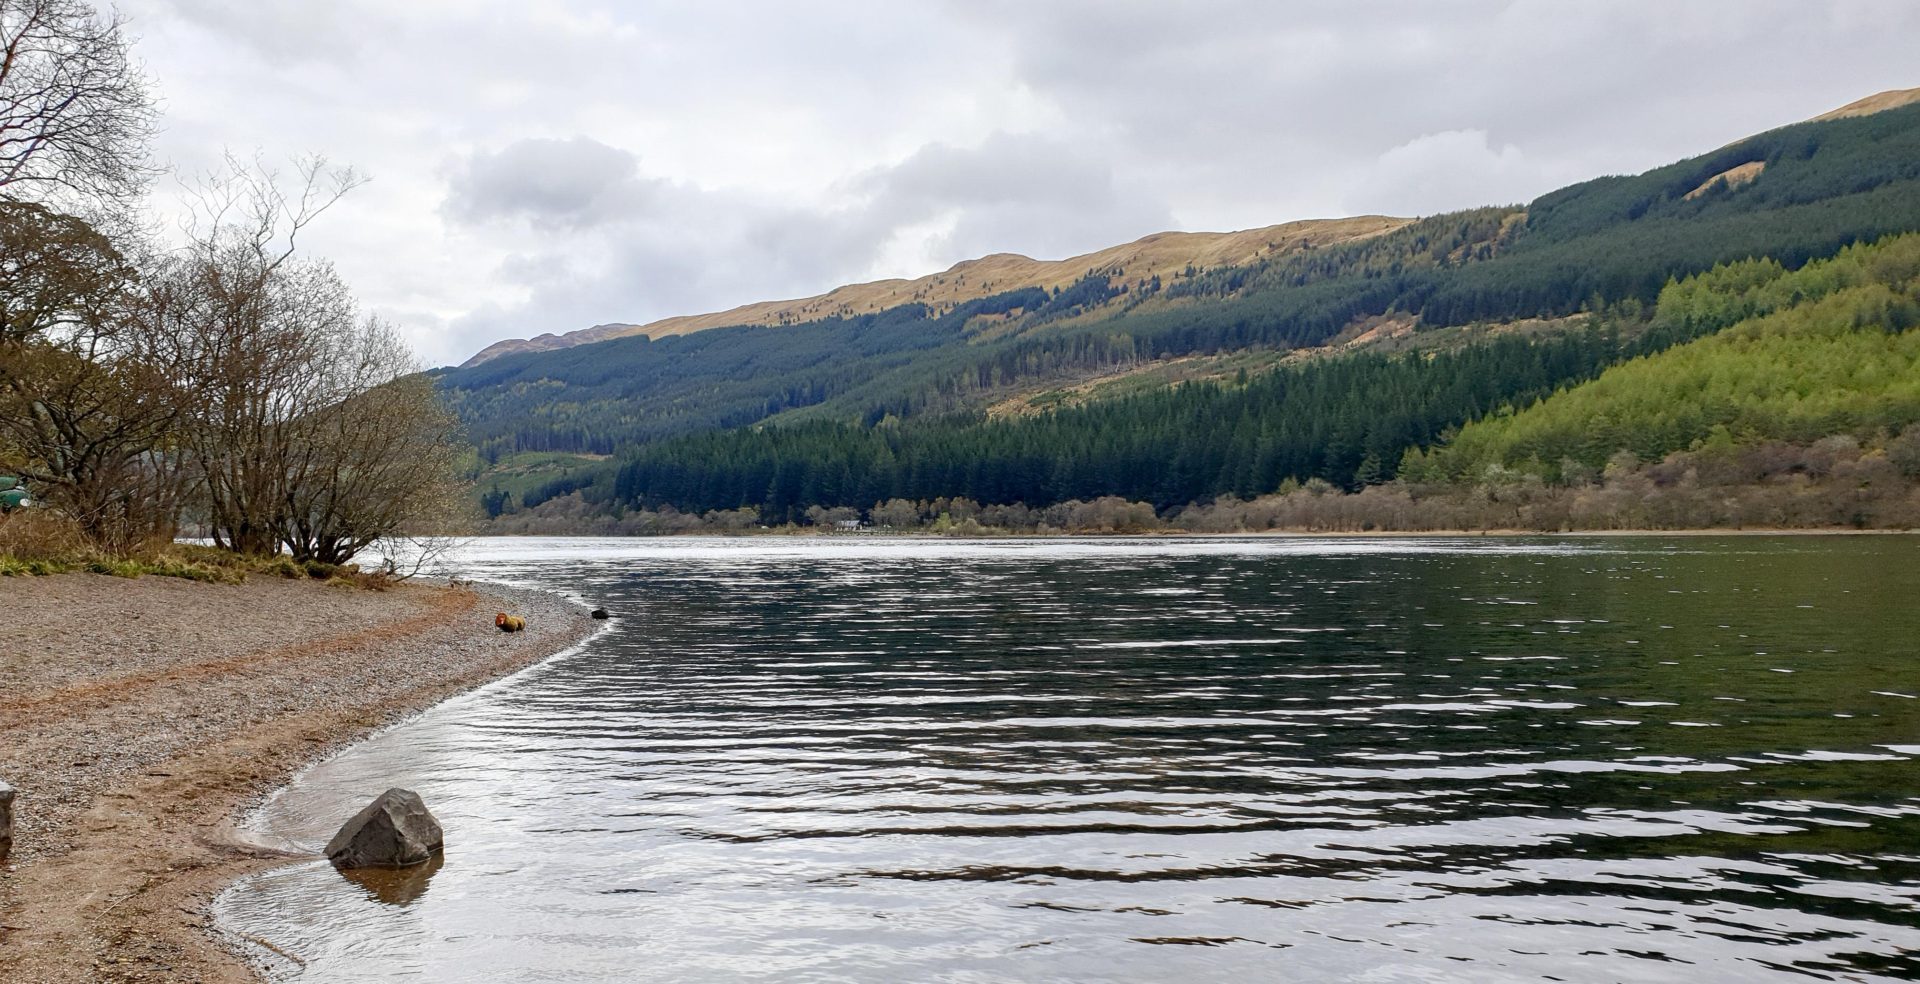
(140, 718)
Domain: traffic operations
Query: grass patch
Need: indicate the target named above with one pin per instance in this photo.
(11, 566)
(191, 562)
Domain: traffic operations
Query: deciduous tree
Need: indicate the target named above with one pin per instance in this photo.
(74, 113)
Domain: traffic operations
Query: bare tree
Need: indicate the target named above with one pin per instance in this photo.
(427, 551)
(234, 363)
(312, 429)
(251, 320)
(376, 461)
(85, 410)
(250, 338)
(74, 113)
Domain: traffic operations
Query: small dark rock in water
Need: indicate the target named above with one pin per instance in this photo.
(600, 613)
(6, 820)
(394, 831)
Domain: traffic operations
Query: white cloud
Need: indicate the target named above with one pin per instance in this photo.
(1454, 169)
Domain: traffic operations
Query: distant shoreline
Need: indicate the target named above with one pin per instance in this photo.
(812, 534)
(144, 716)
(1704, 531)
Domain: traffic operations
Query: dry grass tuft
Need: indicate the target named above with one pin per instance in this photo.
(38, 534)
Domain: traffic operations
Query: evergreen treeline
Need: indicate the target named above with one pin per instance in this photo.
(1344, 420)
(594, 398)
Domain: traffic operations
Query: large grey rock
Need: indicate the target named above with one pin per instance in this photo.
(6, 820)
(394, 831)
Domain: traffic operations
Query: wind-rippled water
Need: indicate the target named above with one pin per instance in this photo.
(1631, 759)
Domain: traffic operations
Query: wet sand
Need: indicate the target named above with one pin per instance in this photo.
(140, 718)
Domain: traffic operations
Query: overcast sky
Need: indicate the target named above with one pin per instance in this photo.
(546, 166)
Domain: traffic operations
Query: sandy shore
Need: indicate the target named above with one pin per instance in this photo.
(138, 719)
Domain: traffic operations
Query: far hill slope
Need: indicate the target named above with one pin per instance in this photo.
(1162, 255)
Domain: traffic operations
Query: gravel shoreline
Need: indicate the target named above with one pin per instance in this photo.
(139, 719)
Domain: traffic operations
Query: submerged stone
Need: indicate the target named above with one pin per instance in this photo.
(393, 831)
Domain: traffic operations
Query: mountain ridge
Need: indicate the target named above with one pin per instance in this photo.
(1159, 254)
(1138, 261)
(1879, 102)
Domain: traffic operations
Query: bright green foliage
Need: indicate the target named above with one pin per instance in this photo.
(497, 489)
(1821, 351)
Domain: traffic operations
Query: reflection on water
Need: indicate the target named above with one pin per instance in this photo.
(396, 886)
(1580, 760)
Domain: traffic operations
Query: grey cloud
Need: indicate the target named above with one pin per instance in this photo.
(337, 31)
(1006, 168)
(554, 184)
(1288, 106)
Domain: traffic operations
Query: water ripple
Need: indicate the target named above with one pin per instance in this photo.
(1380, 759)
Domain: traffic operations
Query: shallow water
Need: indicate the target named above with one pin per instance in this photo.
(1631, 759)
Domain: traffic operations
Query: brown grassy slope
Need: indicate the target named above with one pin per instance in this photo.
(1879, 102)
(1162, 254)
(1733, 177)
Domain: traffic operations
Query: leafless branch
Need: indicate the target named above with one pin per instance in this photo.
(75, 115)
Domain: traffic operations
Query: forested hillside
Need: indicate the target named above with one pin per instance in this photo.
(1342, 420)
(853, 411)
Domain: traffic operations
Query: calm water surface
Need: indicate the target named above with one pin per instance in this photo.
(1634, 759)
